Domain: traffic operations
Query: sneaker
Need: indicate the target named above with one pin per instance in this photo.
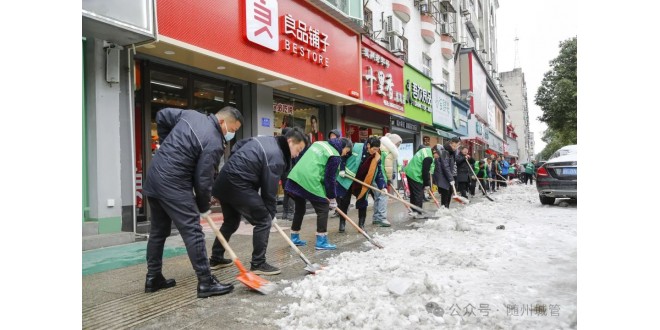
(265, 269)
(383, 223)
(222, 263)
(334, 215)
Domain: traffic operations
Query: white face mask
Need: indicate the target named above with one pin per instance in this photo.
(229, 135)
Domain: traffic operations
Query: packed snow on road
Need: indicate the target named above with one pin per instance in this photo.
(454, 271)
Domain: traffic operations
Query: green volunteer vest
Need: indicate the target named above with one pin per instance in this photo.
(383, 155)
(352, 165)
(309, 172)
(414, 169)
(529, 168)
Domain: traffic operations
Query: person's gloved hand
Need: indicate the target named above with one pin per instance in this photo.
(384, 190)
(342, 174)
(451, 183)
(427, 190)
(333, 204)
(205, 214)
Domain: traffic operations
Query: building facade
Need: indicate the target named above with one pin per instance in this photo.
(366, 67)
(516, 88)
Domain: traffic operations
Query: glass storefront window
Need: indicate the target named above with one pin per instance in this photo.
(289, 112)
(167, 90)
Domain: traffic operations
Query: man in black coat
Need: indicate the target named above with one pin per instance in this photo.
(463, 171)
(178, 187)
(247, 185)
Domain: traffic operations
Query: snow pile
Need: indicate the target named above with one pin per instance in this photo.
(454, 270)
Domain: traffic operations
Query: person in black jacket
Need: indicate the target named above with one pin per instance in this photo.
(442, 175)
(178, 187)
(463, 172)
(247, 185)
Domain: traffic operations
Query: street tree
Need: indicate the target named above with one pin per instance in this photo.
(557, 98)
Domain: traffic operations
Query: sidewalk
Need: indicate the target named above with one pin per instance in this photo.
(115, 298)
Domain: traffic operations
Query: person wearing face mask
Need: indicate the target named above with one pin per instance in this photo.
(178, 188)
(247, 186)
(313, 179)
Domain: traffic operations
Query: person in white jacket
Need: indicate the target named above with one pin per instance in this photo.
(389, 149)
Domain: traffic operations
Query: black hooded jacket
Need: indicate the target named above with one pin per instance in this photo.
(255, 164)
(191, 145)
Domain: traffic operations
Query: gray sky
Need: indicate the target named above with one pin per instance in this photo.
(540, 26)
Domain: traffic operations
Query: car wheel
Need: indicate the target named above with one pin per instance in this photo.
(547, 200)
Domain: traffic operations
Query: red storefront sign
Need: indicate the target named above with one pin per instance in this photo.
(310, 44)
(382, 75)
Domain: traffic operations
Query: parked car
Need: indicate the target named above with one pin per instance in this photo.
(557, 177)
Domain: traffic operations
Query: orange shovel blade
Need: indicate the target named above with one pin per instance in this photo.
(253, 281)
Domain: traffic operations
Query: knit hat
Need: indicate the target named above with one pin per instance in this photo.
(336, 132)
(395, 138)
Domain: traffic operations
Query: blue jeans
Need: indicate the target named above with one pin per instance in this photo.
(380, 206)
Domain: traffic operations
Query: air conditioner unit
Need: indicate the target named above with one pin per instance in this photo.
(423, 7)
(395, 44)
(464, 8)
(394, 26)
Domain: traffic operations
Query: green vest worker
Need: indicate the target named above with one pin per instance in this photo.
(364, 164)
(418, 172)
(313, 178)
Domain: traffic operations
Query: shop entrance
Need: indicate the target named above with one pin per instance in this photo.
(158, 87)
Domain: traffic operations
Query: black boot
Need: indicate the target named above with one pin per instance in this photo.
(208, 285)
(342, 225)
(157, 282)
(361, 222)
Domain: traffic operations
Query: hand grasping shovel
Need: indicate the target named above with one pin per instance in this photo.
(311, 268)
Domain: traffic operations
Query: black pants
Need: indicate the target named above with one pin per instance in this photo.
(286, 205)
(344, 202)
(492, 185)
(416, 193)
(484, 185)
(185, 215)
(322, 210)
(473, 186)
(529, 177)
(232, 219)
(463, 188)
(445, 197)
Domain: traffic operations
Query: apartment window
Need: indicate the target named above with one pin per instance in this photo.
(427, 65)
(368, 20)
(445, 79)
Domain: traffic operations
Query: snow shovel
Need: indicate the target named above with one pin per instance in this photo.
(364, 233)
(311, 268)
(250, 279)
(397, 194)
(433, 195)
(417, 208)
(482, 187)
(458, 198)
(507, 181)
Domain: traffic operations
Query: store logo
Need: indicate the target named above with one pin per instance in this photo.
(419, 97)
(308, 42)
(262, 24)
